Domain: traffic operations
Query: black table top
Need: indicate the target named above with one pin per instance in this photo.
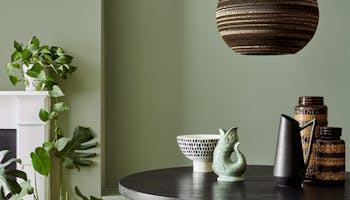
(259, 184)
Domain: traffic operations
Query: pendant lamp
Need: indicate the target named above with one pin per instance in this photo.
(267, 27)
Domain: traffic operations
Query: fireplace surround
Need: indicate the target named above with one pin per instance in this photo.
(19, 110)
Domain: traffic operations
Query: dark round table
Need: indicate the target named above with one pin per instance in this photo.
(182, 183)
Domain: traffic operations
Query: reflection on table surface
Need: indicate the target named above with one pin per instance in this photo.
(182, 183)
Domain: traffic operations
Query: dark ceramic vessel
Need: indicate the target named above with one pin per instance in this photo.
(267, 27)
(330, 157)
(310, 107)
(289, 167)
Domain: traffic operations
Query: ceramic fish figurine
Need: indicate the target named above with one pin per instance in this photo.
(223, 166)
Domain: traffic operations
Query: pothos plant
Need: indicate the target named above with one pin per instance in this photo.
(44, 63)
(46, 66)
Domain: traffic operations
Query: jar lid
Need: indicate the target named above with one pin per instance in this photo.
(331, 131)
(311, 100)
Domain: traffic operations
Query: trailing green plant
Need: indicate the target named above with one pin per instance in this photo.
(45, 64)
(48, 65)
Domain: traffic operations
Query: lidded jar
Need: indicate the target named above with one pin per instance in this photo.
(330, 157)
(310, 107)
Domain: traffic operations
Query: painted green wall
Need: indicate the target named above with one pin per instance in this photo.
(169, 73)
(76, 26)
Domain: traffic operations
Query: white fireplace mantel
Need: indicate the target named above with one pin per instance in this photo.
(20, 110)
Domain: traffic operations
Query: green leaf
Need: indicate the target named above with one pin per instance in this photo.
(68, 163)
(53, 49)
(51, 79)
(26, 62)
(26, 54)
(72, 69)
(72, 154)
(87, 146)
(53, 115)
(85, 155)
(45, 51)
(26, 189)
(13, 79)
(33, 74)
(9, 176)
(15, 56)
(62, 72)
(11, 160)
(47, 57)
(41, 161)
(37, 67)
(60, 51)
(17, 46)
(44, 115)
(65, 59)
(39, 86)
(56, 91)
(61, 143)
(37, 71)
(79, 194)
(60, 107)
(17, 173)
(84, 162)
(58, 131)
(94, 198)
(48, 146)
(13, 185)
(11, 66)
(42, 76)
(35, 42)
(2, 193)
(3, 154)
(26, 82)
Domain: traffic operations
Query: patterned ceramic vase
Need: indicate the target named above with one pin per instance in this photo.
(310, 107)
(330, 157)
(267, 27)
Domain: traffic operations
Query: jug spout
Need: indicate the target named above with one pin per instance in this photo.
(289, 166)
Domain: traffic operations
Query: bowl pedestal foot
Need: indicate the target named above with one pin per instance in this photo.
(202, 166)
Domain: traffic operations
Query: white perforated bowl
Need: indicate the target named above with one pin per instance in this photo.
(199, 148)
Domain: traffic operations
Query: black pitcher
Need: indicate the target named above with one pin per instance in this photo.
(289, 167)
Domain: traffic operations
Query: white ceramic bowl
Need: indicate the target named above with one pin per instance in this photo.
(199, 148)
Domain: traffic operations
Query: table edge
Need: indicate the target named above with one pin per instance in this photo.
(132, 194)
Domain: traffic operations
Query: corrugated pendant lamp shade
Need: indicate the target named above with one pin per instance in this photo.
(267, 27)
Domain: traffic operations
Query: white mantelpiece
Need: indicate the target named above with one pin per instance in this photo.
(20, 110)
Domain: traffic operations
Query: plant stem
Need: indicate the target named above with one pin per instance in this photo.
(36, 187)
(55, 123)
(60, 181)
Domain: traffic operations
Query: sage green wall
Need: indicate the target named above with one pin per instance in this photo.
(76, 26)
(169, 73)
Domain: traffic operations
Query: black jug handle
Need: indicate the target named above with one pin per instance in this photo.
(313, 129)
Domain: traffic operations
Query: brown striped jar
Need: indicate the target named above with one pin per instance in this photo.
(310, 107)
(330, 157)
